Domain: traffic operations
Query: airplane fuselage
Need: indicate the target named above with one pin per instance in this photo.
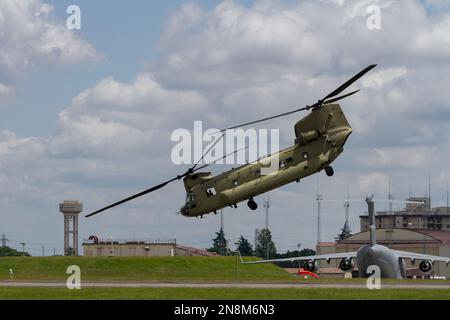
(390, 264)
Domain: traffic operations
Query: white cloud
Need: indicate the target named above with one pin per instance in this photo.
(31, 39)
(232, 64)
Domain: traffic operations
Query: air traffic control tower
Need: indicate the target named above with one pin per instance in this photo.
(70, 210)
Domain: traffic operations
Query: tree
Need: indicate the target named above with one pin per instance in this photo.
(70, 251)
(9, 252)
(219, 243)
(244, 247)
(345, 232)
(264, 245)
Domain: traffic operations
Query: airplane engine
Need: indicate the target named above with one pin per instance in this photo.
(311, 266)
(346, 264)
(425, 266)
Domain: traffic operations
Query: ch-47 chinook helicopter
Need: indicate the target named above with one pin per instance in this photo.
(320, 138)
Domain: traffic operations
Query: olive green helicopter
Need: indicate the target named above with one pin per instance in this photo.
(320, 138)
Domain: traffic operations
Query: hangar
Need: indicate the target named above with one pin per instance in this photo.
(425, 241)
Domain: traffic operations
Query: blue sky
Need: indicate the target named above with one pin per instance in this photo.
(94, 124)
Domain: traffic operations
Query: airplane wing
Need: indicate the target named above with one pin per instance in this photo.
(331, 256)
(420, 256)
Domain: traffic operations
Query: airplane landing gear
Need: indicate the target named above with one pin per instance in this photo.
(329, 171)
(252, 204)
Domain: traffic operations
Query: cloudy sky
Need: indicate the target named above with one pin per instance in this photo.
(87, 114)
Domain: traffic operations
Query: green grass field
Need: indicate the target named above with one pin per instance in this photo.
(219, 294)
(181, 269)
(140, 269)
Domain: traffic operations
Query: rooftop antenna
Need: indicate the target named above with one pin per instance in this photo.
(390, 196)
(429, 191)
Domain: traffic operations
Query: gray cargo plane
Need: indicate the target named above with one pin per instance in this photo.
(390, 262)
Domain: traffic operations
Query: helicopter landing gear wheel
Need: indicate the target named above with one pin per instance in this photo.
(252, 204)
(329, 171)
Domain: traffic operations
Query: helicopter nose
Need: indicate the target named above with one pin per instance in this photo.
(184, 211)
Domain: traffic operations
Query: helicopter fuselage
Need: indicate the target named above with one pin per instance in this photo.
(320, 137)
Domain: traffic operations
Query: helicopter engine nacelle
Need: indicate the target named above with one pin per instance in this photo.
(311, 266)
(346, 264)
(308, 136)
(425, 266)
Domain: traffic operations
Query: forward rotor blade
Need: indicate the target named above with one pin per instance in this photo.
(341, 97)
(209, 149)
(224, 157)
(265, 119)
(349, 82)
(159, 186)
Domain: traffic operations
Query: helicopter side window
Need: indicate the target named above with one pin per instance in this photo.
(211, 192)
(190, 201)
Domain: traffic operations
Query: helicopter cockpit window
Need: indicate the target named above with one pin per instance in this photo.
(190, 201)
(211, 192)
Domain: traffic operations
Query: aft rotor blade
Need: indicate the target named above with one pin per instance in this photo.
(349, 82)
(159, 186)
(341, 97)
(317, 104)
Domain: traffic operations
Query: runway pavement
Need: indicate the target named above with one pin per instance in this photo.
(37, 284)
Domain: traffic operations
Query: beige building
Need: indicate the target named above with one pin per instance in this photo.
(432, 242)
(414, 216)
(93, 247)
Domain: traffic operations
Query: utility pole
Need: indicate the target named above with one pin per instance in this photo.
(43, 251)
(347, 206)
(23, 247)
(319, 237)
(447, 197)
(267, 206)
(4, 240)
